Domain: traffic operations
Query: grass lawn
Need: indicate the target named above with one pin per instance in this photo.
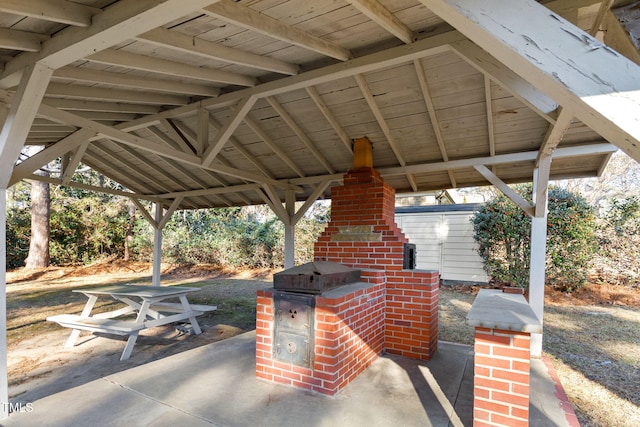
(593, 342)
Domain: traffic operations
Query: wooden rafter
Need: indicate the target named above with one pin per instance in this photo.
(21, 40)
(282, 112)
(435, 123)
(383, 17)
(554, 135)
(112, 95)
(606, 99)
(210, 50)
(112, 107)
(249, 18)
(255, 127)
(382, 123)
(223, 135)
(137, 82)
(62, 11)
(117, 23)
(326, 112)
(150, 64)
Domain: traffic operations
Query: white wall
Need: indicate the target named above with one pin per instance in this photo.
(444, 242)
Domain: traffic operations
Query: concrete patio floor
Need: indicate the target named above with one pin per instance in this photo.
(216, 385)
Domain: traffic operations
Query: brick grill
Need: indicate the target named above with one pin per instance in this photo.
(391, 309)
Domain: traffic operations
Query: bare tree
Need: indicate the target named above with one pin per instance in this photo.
(40, 228)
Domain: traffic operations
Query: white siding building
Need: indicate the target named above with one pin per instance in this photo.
(443, 236)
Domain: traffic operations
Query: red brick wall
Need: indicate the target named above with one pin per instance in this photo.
(363, 234)
(349, 336)
(501, 378)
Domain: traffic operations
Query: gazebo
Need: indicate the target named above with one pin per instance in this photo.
(202, 103)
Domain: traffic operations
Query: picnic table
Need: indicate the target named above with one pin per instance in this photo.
(148, 305)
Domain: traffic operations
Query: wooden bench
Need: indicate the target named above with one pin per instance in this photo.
(96, 324)
(176, 307)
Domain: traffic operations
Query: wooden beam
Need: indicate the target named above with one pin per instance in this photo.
(74, 161)
(119, 22)
(136, 82)
(21, 40)
(114, 95)
(376, 61)
(382, 123)
(22, 112)
(543, 105)
(62, 11)
(41, 158)
(115, 107)
(177, 137)
(167, 214)
(605, 7)
(431, 109)
(237, 145)
(246, 17)
(255, 127)
(488, 100)
(153, 147)
(151, 64)
(383, 17)
(237, 116)
(526, 156)
(600, 86)
(212, 191)
(326, 112)
(300, 133)
(317, 192)
(506, 190)
(204, 48)
(271, 198)
(554, 135)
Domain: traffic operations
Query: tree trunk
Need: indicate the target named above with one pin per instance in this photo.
(40, 209)
(129, 233)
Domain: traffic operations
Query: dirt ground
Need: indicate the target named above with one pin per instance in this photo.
(39, 365)
(595, 378)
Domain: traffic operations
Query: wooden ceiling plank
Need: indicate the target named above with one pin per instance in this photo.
(598, 85)
(21, 40)
(119, 22)
(237, 116)
(384, 18)
(204, 48)
(326, 112)
(20, 116)
(116, 107)
(62, 11)
(300, 133)
(376, 61)
(131, 81)
(554, 135)
(248, 18)
(150, 64)
(240, 148)
(255, 127)
(502, 75)
(114, 95)
(41, 158)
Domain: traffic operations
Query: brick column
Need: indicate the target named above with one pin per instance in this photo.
(503, 325)
(501, 378)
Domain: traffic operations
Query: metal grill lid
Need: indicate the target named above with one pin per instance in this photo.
(315, 277)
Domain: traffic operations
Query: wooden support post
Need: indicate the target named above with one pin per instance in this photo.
(4, 378)
(157, 245)
(289, 230)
